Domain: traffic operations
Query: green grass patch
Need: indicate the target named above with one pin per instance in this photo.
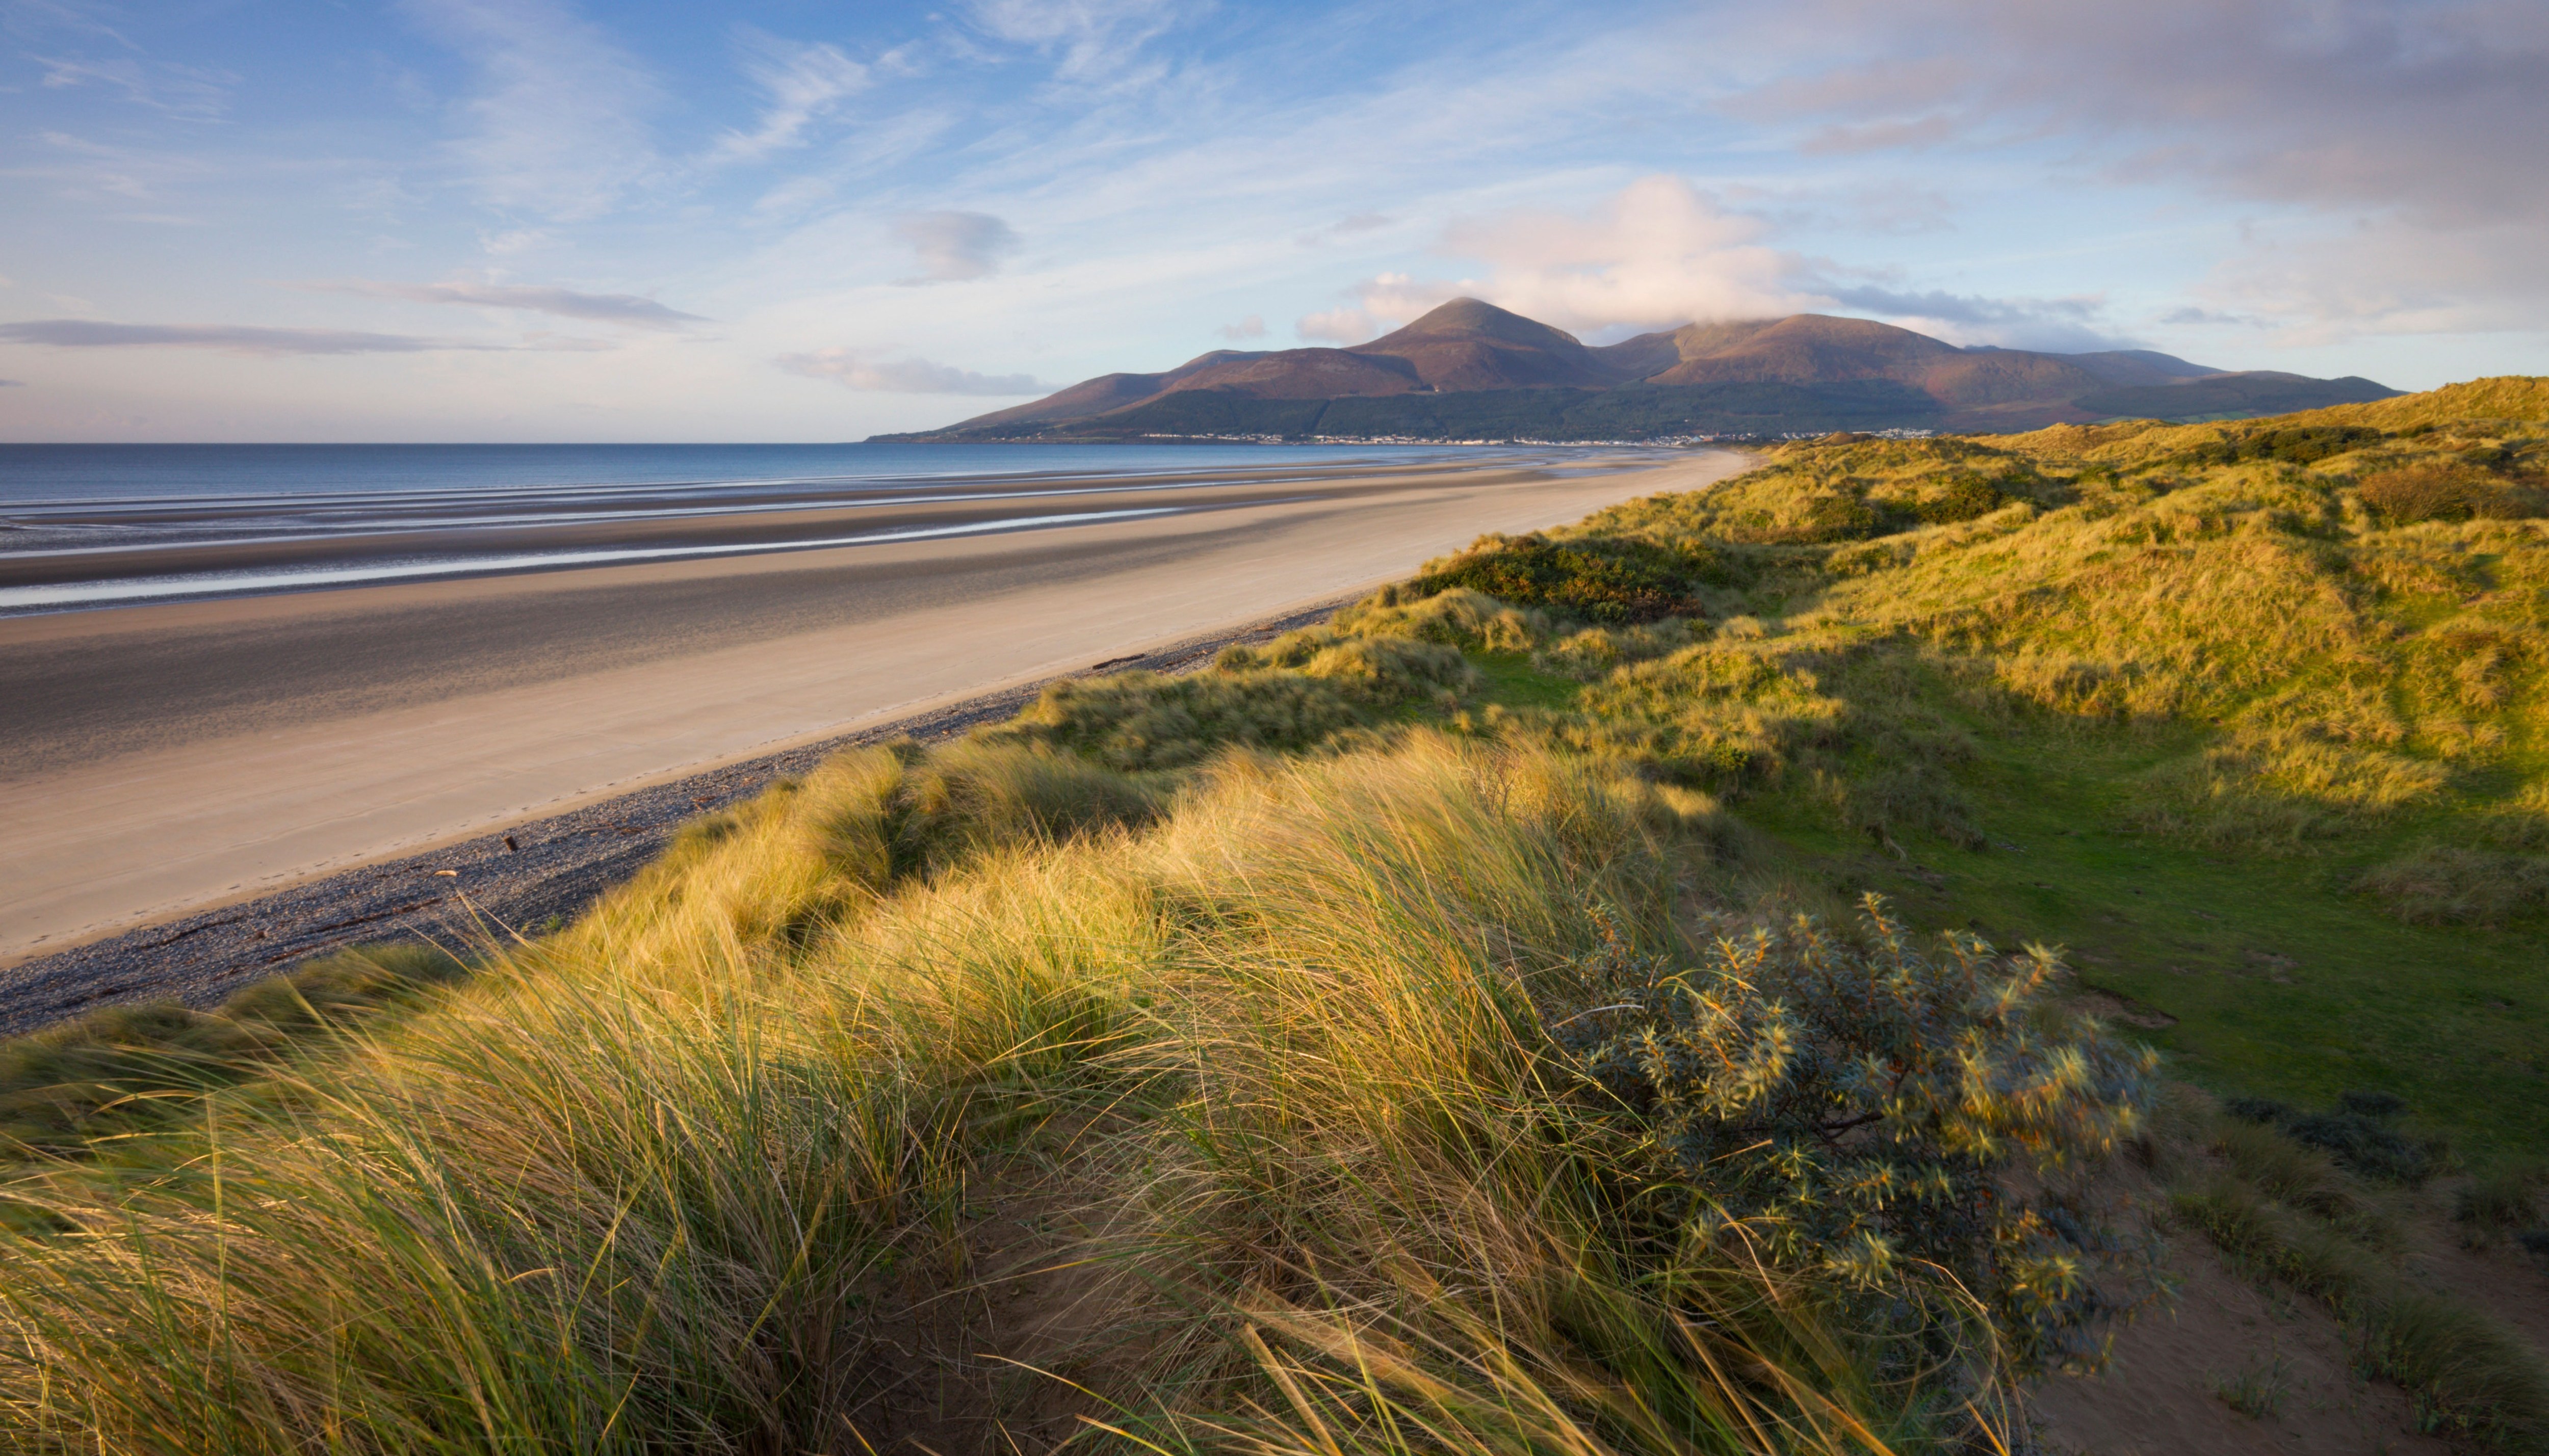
(2275, 979)
(1512, 682)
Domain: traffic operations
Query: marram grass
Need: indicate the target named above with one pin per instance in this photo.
(719, 1168)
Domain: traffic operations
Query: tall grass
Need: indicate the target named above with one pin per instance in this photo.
(741, 1161)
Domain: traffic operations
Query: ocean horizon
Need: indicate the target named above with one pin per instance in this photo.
(98, 526)
(88, 474)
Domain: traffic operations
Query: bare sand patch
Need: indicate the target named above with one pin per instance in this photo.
(208, 790)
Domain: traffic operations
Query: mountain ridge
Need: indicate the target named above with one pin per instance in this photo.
(1469, 370)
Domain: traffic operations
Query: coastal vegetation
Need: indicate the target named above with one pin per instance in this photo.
(1757, 970)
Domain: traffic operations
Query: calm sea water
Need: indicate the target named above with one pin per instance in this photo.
(45, 475)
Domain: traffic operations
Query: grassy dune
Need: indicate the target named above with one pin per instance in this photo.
(2251, 718)
(1458, 1027)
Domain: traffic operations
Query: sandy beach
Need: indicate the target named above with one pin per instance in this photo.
(160, 759)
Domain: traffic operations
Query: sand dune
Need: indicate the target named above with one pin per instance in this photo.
(160, 759)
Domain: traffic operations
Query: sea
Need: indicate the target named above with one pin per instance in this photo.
(93, 525)
(35, 478)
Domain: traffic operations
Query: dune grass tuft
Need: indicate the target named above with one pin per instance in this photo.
(119, 1070)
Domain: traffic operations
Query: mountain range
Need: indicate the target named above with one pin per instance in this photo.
(1469, 370)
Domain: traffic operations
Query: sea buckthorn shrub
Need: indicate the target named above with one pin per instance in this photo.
(2423, 493)
(1907, 1125)
(1614, 580)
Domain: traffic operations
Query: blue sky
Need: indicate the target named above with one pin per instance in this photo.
(528, 220)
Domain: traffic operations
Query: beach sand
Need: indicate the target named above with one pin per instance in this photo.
(158, 759)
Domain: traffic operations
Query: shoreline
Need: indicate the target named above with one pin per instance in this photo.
(167, 761)
(505, 879)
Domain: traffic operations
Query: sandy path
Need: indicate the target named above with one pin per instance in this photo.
(273, 779)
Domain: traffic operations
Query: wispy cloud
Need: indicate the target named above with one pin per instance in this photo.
(190, 92)
(804, 83)
(29, 19)
(2192, 316)
(93, 171)
(1252, 326)
(1092, 39)
(557, 127)
(12, 384)
(59, 37)
(602, 308)
(861, 370)
(954, 246)
(228, 338)
(1345, 229)
(2060, 325)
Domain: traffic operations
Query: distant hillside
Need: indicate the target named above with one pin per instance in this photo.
(2233, 395)
(1469, 370)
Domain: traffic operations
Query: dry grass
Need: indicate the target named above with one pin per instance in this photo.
(692, 1172)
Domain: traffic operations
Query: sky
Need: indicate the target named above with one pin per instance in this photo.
(784, 221)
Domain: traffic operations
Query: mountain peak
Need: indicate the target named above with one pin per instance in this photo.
(1476, 319)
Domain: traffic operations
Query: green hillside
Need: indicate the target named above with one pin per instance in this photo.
(1605, 994)
(2250, 717)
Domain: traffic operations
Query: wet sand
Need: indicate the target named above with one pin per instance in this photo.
(158, 759)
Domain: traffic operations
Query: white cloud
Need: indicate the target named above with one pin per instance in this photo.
(1662, 252)
(1252, 326)
(607, 308)
(804, 83)
(954, 246)
(1658, 253)
(861, 370)
(557, 127)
